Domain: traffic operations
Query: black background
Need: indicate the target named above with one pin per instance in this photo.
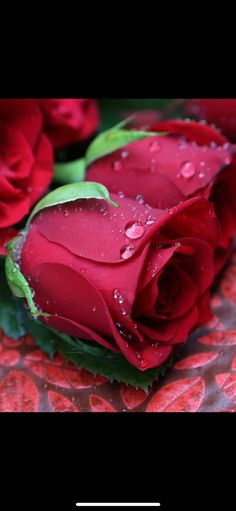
(52, 461)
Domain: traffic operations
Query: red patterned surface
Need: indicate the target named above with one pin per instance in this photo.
(202, 379)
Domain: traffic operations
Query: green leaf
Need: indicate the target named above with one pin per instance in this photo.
(72, 192)
(69, 172)
(113, 139)
(44, 337)
(11, 310)
(100, 360)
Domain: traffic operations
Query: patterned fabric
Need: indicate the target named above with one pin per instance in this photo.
(203, 378)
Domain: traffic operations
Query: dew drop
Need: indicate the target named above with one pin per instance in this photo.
(116, 294)
(94, 309)
(213, 145)
(201, 175)
(134, 230)
(188, 170)
(154, 146)
(66, 212)
(117, 165)
(151, 220)
(142, 363)
(126, 251)
(121, 195)
(120, 299)
(140, 199)
(124, 154)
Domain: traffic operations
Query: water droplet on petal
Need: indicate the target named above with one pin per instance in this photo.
(94, 309)
(142, 363)
(66, 212)
(121, 195)
(151, 220)
(188, 170)
(213, 145)
(116, 294)
(154, 146)
(124, 154)
(126, 251)
(117, 165)
(140, 199)
(134, 230)
(120, 299)
(201, 175)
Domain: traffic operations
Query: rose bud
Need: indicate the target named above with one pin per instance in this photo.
(26, 161)
(189, 159)
(67, 121)
(135, 279)
(221, 112)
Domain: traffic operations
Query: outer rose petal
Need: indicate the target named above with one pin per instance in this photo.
(157, 174)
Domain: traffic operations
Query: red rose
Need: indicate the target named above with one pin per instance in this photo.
(193, 159)
(69, 120)
(25, 159)
(221, 112)
(134, 279)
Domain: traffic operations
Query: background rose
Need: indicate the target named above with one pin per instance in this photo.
(134, 279)
(221, 112)
(193, 159)
(25, 159)
(69, 120)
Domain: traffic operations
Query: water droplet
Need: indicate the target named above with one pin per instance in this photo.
(66, 212)
(154, 146)
(126, 251)
(151, 220)
(134, 230)
(123, 312)
(121, 195)
(94, 309)
(227, 161)
(124, 154)
(201, 175)
(116, 294)
(142, 363)
(213, 145)
(120, 299)
(117, 165)
(140, 199)
(188, 170)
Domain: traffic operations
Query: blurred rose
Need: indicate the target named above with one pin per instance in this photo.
(67, 121)
(221, 112)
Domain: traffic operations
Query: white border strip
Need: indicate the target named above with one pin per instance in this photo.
(117, 504)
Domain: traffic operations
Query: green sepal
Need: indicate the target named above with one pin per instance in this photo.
(70, 193)
(18, 284)
(113, 139)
